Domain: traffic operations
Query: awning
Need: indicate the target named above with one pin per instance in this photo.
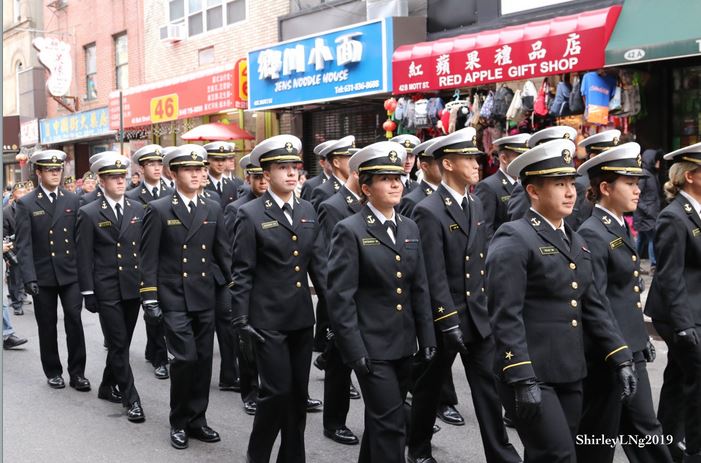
(555, 46)
(651, 30)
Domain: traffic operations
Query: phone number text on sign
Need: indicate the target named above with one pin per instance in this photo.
(358, 86)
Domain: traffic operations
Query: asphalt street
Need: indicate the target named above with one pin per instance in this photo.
(42, 424)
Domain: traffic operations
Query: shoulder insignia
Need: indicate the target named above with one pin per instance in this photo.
(370, 219)
(127, 202)
(99, 194)
(175, 199)
(535, 222)
(104, 204)
(606, 220)
(508, 355)
(440, 309)
(448, 201)
(687, 208)
(504, 182)
(143, 191)
(40, 195)
(336, 186)
(349, 199)
(60, 193)
(268, 203)
(429, 191)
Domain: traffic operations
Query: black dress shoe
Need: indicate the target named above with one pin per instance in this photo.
(411, 459)
(353, 393)
(79, 383)
(56, 382)
(13, 341)
(250, 407)
(109, 393)
(178, 438)
(449, 415)
(436, 428)
(320, 362)
(161, 372)
(135, 414)
(235, 386)
(205, 434)
(19, 311)
(313, 405)
(342, 435)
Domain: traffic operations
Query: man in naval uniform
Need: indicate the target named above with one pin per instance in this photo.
(218, 154)
(409, 142)
(322, 177)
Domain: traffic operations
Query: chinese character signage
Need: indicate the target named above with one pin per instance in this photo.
(566, 44)
(86, 124)
(55, 55)
(205, 92)
(342, 63)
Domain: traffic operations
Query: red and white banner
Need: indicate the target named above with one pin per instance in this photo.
(560, 45)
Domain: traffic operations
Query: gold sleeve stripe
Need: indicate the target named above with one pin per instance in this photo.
(146, 290)
(454, 312)
(516, 365)
(614, 351)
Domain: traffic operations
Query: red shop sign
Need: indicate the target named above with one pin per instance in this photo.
(205, 92)
(560, 45)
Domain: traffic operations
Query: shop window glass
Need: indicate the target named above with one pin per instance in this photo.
(121, 61)
(90, 72)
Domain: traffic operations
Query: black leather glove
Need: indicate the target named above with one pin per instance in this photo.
(527, 398)
(32, 288)
(361, 367)
(428, 354)
(248, 337)
(152, 313)
(453, 341)
(625, 372)
(91, 303)
(330, 335)
(649, 352)
(687, 338)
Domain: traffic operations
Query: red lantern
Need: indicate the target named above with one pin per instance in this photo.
(22, 158)
(390, 105)
(389, 125)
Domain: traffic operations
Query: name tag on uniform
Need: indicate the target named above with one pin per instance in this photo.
(307, 221)
(617, 243)
(271, 224)
(174, 222)
(104, 224)
(548, 250)
(370, 242)
(696, 232)
(505, 199)
(38, 213)
(454, 226)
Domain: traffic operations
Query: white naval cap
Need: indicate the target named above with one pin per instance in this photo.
(517, 143)
(554, 158)
(338, 147)
(384, 157)
(623, 159)
(248, 167)
(186, 155)
(220, 149)
(421, 148)
(95, 157)
(168, 149)
(280, 148)
(691, 153)
(463, 141)
(552, 133)
(320, 147)
(148, 153)
(602, 141)
(48, 158)
(408, 141)
(110, 162)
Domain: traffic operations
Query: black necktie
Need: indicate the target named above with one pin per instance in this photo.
(564, 237)
(53, 197)
(465, 208)
(193, 206)
(287, 208)
(118, 207)
(391, 226)
(219, 187)
(154, 192)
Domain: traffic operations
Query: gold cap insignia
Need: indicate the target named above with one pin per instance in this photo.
(392, 156)
(474, 140)
(535, 222)
(158, 151)
(615, 140)
(606, 220)
(567, 156)
(118, 163)
(370, 219)
(407, 143)
(193, 155)
(289, 147)
(54, 159)
(221, 149)
(639, 160)
(566, 136)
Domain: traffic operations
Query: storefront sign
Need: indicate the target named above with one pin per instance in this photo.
(342, 63)
(10, 133)
(29, 132)
(561, 45)
(55, 55)
(205, 92)
(86, 124)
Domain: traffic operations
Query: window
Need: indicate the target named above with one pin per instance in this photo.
(516, 6)
(205, 56)
(18, 68)
(90, 72)
(206, 15)
(17, 5)
(121, 61)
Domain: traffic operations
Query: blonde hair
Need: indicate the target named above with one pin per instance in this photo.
(677, 180)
